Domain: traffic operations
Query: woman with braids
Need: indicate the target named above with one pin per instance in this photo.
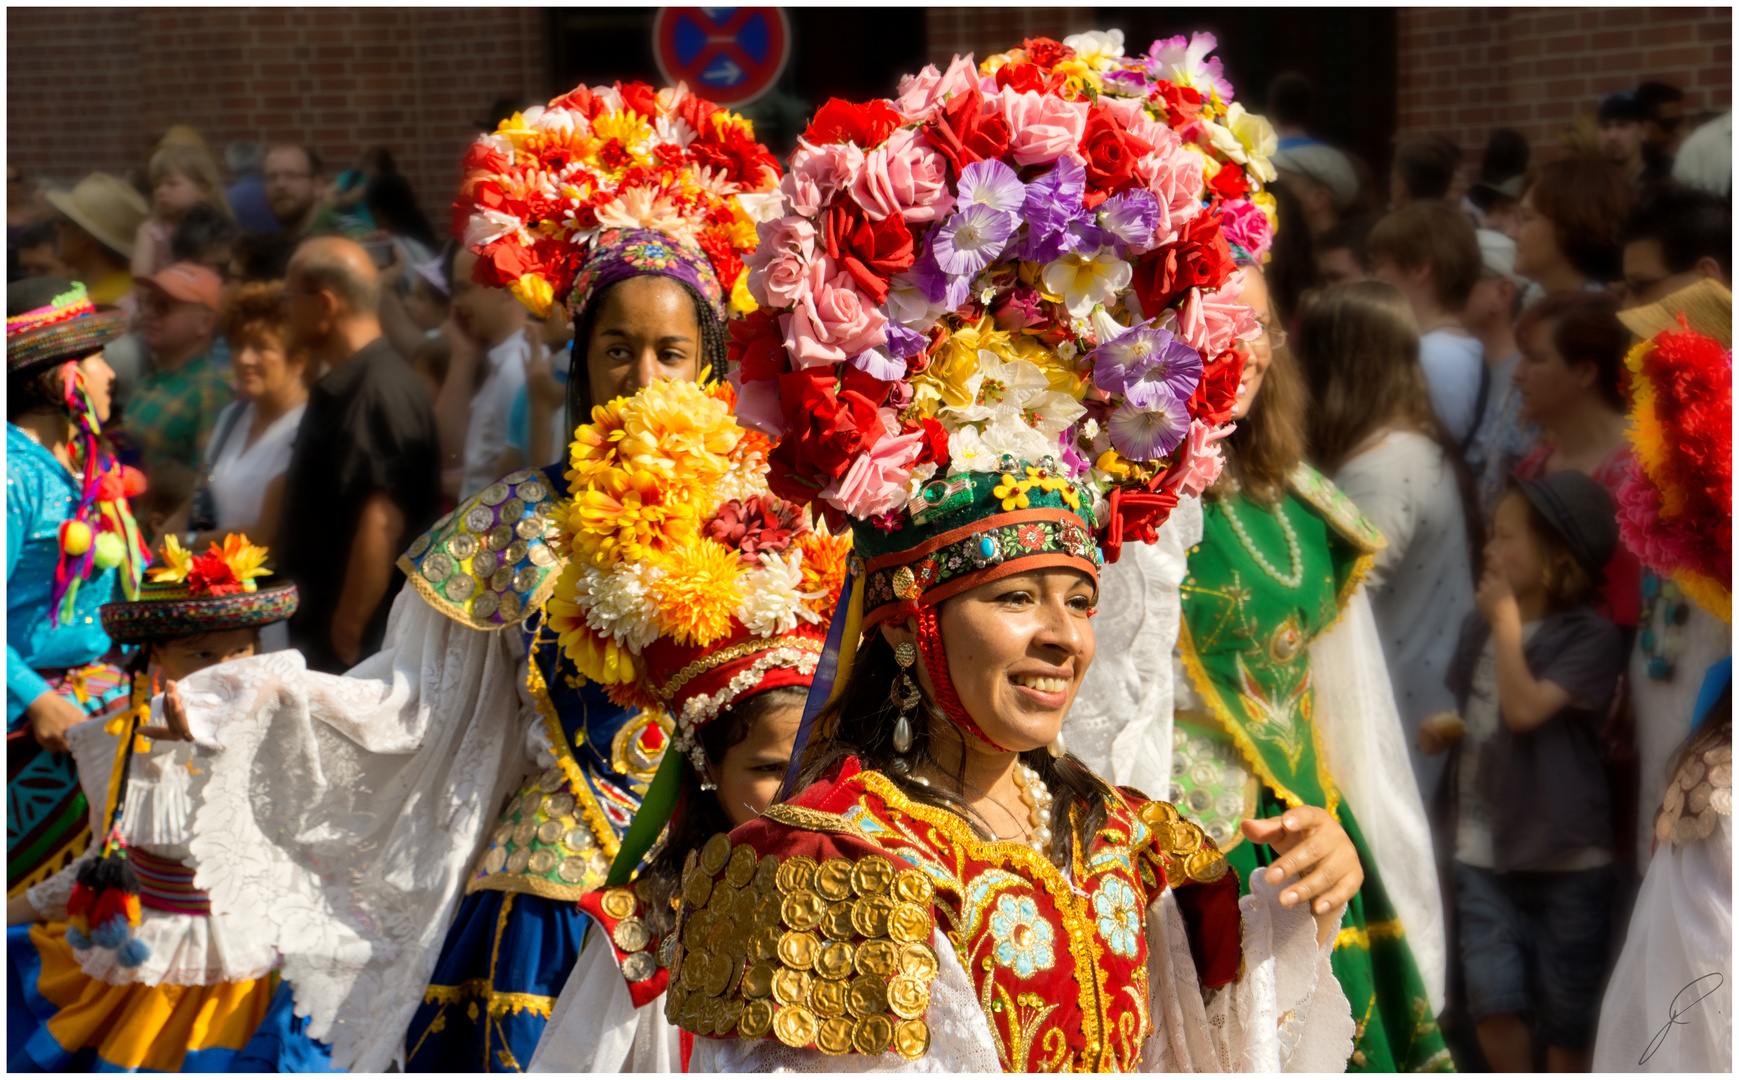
(731, 657)
(70, 540)
(399, 934)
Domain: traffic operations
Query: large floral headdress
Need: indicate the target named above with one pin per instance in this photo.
(1000, 311)
(1676, 504)
(552, 199)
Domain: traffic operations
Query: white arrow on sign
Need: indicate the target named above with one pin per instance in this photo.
(723, 73)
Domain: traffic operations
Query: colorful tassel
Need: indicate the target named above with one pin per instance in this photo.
(104, 907)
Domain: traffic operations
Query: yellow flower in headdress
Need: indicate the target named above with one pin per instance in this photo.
(177, 562)
(699, 590)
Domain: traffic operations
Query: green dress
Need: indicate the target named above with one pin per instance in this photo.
(1261, 587)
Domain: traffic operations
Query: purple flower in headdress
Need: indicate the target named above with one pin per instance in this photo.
(1187, 63)
(876, 363)
(1146, 434)
(1130, 219)
(971, 239)
(993, 184)
(903, 341)
(1147, 366)
(1125, 81)
(1053, 205)
(940, 288)
(1069, 453)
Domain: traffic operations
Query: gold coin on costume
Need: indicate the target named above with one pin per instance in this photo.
(542, 861)
(499, 537)
(912, 887)
(834, 961)
(551, 780)
(720, 901)
(631, 935)
(639, 967)
(483, 564)
(479, 520)
(791, 987)
(485, 605)
(714, 854)
(740, 870)
(872, 1034)
(868, 996)
(798, 949)
(543, 555)
(833, 879)
(693, 1014)
(694, 971)
(493, 495)
(617, 903)
(571, 870)
(758, 980)
(501, 580)
(690, 863)
(438, 567)
(561, 804)
(767, 911)
(905, 584)
(696, 889)
(911, 1039)
(909, 923)
(795, 1026)
(880, 958)
(836, 923)
(767, 874)
(833, 1035)
(524, 579)
(729, 1013)
(869, 916)
(518, 861)
(1185, 838)
(673, 998)
(1206, 865)
(757, 1019)
(495, 860)
(908, 997)
(524, 832)
(827, 997)
(919, 961)
(719, 971)
(796, 872)
(872, 876)
(670, 955)
(530, 528)
(503, 833)
(721, 936)
(764, 942)
(550, 832)
(802, 910)
(579, 838)
(419, 546)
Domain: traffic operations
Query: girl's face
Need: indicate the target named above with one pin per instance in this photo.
(646, 329)
(99, 384)
(263, 367)
(1536, 239)
(182, 657)
(1550, 388)
(1511, 550)
(1258, 353)
(749, 775)
(176, 194)
(1018, 649)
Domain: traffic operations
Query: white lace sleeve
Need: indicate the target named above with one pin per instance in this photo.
(593, 1025)
(335, 817)
(960, 1039)
(49, 897)
(1120, 725)
(1286, 1013)
(1367, 756)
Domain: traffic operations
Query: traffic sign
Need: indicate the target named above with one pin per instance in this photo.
(730, 56)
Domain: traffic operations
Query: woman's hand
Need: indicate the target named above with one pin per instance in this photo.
(174, 726)
(50, 717)
(1313, 845)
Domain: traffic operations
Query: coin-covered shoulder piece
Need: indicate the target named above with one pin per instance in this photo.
(1177, 854)
(1700, 794)
(545, 843)
(490, 563)
(621, 914)
(818, 939)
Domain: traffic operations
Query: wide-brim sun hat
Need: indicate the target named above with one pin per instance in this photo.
(105, 206)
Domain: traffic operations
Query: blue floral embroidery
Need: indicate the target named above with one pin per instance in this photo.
(1023, 940)
(1119, 916)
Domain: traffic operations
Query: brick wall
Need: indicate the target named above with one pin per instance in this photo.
(988, 30)
(1464, 71)
(90, 90)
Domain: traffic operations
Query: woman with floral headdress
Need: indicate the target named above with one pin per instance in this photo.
(956, 368)
(70, 540)
(114, 960)
(634, 208)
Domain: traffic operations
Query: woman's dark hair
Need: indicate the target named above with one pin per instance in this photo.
(860, 724)
(202, 229)
(713, 341)
(36, 390)
(1585, 330)
(1586, 200)
(390, 200)
(698, 815)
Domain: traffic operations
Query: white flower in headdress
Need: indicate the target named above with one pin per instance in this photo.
(488, 226)
(1015, 392)
(1098, 49)
(772, 598)
(618, 603)
(1085, 279)
(646, 208)
(672, 128)
(745, 479)
(971, 449)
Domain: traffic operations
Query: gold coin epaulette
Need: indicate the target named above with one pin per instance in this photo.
(1182, 848)
(833, 955)
(490, 563)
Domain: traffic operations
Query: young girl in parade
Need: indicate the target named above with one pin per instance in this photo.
(955, 367)
(114, 961)
(70, 543)
(182, 176)
(470, 706)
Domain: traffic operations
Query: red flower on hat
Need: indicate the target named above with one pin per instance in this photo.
(872, 252)
(757, 346)
(212, 576)
(1111, 153)
(760, 523)
(964, 132)
(868, 124)
(1182, 103)
(639, 97)
(829, 421)
(1217, 394)
(1024, 78)
(1198, 259)
(1046, 53)
(1229, 183)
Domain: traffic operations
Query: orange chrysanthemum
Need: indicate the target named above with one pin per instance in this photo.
(699, 591)
(824, 564)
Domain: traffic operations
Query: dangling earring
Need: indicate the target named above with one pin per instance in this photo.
(1056, 746)
(906, 695)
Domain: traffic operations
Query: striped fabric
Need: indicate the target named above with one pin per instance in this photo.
(167, 885)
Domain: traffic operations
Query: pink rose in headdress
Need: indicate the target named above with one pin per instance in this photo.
(1041, 128)
(877, 481)
(779, 265)
(818, 173)
(832, 321)
(921, 93)
(1214, 321)
(1247, 225)
(1200, 460)
(1176, 180)
(904, 176)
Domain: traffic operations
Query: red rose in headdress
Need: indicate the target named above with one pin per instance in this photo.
(935, 445)
(1025, 77)
(1198, 259)
(828, 423)
(868, 124)
(963, 132)
(211, 576)
(580, 100)
(1229, 183)
(1111, 153)
(729, 148)
(757, 346)
(639, 97)
(1182, 103)
(870, 251)
(1046, 53)
(1217, 394)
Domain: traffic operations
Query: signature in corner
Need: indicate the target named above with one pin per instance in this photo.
(1683, 1002)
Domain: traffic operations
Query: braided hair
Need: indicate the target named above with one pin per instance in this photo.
(713, 341)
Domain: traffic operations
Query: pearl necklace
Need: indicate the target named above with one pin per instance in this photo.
(1294, 557)
(1037, 797)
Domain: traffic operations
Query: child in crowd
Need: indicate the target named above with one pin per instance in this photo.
(182, 177)
(1534, 672)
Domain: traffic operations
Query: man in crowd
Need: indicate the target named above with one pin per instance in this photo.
(1340, 251)
(1322, 180)
(1678, 236)
(1492, 199)
(1621, 117)
(293, 183)
(171, 412)
(489, 333)
(247, 196)
(39, 254)
(365, 472)
(1504, 436)
(1663, 128)
(1424, 171)
(96, 223)
(1430, 253)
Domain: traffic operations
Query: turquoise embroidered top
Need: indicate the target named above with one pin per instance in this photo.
(40, 494)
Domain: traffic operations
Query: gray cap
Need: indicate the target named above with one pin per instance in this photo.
(1581, 512)
(1325, 165)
